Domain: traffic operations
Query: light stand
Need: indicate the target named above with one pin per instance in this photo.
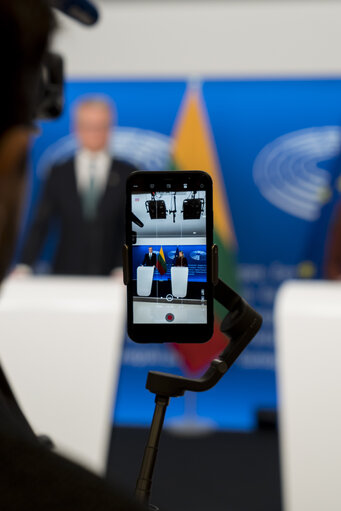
(241, 324)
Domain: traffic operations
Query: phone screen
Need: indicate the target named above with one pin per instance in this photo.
(169, 225)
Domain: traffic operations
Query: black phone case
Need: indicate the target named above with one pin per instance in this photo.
(173, 332)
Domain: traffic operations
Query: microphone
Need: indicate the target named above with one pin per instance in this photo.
(81, 10)
(136, 220)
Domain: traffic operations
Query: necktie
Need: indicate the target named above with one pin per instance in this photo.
(91, 195)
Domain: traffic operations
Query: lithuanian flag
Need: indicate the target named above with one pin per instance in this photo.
(194, 149)
(161, 262)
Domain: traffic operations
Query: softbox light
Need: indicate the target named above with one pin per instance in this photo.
(192, 208)
(156, 209)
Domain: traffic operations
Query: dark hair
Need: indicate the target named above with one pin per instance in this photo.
(25, 26)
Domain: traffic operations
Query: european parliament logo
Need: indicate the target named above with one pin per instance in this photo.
(289, 172)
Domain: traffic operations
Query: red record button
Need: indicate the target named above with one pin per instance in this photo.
(169, 317)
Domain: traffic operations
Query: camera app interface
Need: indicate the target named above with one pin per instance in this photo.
(169, 256)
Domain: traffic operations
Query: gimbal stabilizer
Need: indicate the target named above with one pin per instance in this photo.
(241, 324)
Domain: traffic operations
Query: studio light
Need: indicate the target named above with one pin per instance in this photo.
(192, 208)
(156, 209)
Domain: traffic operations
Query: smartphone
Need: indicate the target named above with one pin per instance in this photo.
(168, 262)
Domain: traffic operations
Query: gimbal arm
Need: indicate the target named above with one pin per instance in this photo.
(241, 324)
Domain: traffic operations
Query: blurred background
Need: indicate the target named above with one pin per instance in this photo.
(252, 90)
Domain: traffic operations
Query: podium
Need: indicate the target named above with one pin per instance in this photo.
(61, 341)
(145, 276)
(179, 280)
(308, 352)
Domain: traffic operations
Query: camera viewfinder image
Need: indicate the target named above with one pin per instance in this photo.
(169, 257)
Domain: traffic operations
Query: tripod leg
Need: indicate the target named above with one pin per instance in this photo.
(144, 481)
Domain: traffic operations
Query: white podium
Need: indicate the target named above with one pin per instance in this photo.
(308, 349)
(179, 280)
(60, 343)
(144, 278)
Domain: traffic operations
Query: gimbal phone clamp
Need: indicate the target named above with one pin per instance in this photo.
(240, 324)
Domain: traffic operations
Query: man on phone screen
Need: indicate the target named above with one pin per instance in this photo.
(150, 258)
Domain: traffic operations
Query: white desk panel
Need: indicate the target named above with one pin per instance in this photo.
(144, 280)
(308, 345)
(60, 345)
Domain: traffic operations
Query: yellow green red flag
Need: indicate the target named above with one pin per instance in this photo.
(194, 149)
(161, 262)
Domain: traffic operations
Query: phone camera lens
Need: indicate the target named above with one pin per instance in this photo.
(201, 185)
(152, 186)
(168, 186)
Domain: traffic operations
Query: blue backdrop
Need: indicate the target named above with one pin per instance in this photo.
(278, 144)
(196, 258)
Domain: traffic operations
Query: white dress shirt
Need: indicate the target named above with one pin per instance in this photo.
(92, 165)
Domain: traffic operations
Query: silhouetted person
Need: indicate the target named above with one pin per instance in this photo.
(32, 478)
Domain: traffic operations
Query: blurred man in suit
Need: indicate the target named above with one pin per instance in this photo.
(181, 260)
(85, 195)
(150, 258)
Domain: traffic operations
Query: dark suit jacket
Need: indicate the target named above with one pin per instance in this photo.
(149, 261)
(84, 248)
(179, 262)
